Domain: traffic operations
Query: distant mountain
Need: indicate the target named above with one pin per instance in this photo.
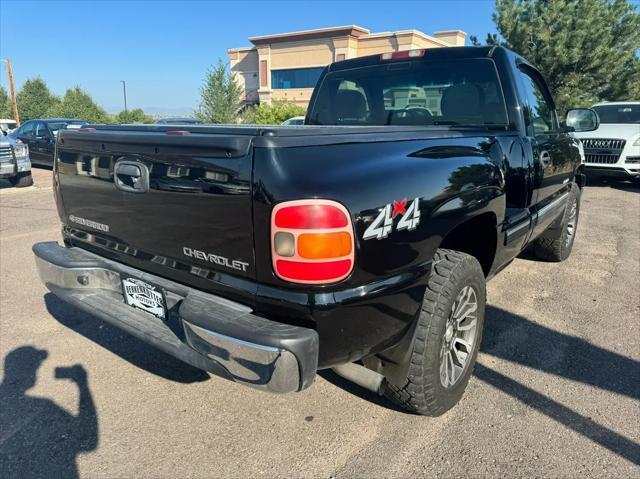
(159, 111)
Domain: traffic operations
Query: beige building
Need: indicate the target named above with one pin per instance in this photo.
(286, 66)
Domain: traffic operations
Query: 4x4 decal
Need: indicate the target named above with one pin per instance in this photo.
(383, 223)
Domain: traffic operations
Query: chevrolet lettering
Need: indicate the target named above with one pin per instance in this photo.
(212, 258)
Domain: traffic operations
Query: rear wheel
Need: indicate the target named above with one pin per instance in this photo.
(556, 243)
(448, 336)
(21, 180)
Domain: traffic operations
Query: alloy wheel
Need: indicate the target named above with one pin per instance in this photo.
(459, 337)
(571, 223)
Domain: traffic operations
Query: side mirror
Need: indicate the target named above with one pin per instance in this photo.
(582, 119)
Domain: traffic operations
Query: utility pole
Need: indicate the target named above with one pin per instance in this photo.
(14, 103)
(124, 93)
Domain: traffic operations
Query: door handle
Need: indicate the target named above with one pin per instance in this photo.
(545, 158)
(131, 176)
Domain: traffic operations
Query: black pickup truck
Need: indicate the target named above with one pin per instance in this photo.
(360, 241)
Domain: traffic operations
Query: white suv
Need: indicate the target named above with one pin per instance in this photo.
(613, 149)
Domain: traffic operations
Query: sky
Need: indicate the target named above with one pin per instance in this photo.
(164, 48)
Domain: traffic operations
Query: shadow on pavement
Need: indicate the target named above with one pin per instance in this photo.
(122, 344)
(352, 388)
(518, 340)
(6, 184)
(617, 184)
(38, 438)
(587, 427)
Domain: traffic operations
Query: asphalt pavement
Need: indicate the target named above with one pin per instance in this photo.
(556, 392)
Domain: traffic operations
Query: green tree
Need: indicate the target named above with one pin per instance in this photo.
(133, 116)
(34, 99)
(587, 49)
(5, 104)
(272, 114)
(77, 103)
(220, 96)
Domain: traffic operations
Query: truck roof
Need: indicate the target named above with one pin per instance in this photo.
(448, 53)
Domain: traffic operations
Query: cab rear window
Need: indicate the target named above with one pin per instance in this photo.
(463, 92)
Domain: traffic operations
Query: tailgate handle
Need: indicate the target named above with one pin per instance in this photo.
(129, 170)
(131, 176)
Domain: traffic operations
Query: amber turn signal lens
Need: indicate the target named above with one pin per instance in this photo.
(324, 245)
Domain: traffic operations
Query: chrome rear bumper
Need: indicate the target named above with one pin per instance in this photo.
(203, 330)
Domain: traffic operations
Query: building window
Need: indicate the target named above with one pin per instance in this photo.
(263, 72)
(295, 78)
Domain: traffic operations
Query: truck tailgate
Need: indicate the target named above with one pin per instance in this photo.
(175, 204)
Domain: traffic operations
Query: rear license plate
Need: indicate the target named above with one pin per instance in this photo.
(144, 296)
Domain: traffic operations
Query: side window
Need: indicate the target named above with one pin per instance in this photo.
(41, 130)
(538, 113)
(28, 129)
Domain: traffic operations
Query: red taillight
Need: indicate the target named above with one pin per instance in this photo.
(177, 132)
(311, 241)
(313, 216)
(313, 272)
(402, 55)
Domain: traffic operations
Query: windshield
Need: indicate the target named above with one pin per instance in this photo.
(618, 113)
(465, 92)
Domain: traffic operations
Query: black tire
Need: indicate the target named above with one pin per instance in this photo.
(556, 243)
(22, 180)
(423, 391)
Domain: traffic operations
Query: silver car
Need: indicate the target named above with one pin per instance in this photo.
(15, 164)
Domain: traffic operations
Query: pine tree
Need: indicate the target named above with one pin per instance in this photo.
(77, 103)
(34, 99)
(220, 96)
(586, 49)
(5, 104)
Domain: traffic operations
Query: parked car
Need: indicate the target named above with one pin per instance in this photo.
(15, 165)
(613, 149)
(40, 136)
(295, 121)
(178, 121)
(7, 125)
(361, 243)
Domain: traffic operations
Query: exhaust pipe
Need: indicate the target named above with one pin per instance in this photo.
(361, 376)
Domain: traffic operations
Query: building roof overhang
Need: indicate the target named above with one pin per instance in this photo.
(341, 31)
